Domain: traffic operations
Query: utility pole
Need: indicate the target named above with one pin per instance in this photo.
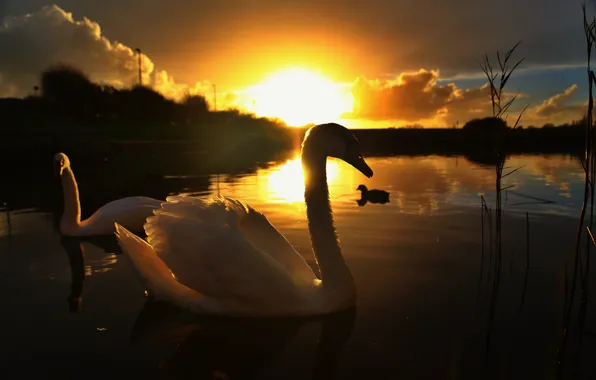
(139, 58)
(214, 97)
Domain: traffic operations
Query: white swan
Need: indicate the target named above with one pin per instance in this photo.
(131, 212)
(228, 259)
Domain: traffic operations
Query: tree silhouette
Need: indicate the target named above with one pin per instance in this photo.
(195, 108)
(71, 92)
(66, 84)
(145, 104)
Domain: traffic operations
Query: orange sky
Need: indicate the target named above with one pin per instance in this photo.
(391, 62)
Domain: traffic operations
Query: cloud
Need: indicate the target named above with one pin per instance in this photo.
(49, 36)
(412, 96)
(416, 96)
(555, 105)
(165, 84)
(468, 104)
(33, 42)
(557, 109)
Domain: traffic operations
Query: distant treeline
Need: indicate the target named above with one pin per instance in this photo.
(70, 112)
(68, 108)
(478, 140)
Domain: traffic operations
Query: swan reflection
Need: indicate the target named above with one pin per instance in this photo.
(233, 347)
(76, 258)
(75, 250)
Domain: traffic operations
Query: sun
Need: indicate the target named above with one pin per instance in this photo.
(299, 96)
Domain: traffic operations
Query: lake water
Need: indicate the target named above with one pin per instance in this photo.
(426, 306)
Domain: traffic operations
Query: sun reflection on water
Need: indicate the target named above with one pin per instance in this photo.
(418, 185)
(285, 184)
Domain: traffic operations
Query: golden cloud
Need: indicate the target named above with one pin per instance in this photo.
(554, 104)
(556, 107)
(417, 96)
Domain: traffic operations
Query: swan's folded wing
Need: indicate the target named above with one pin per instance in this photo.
(253, 225)
(257, 228)
(156, 276)
(201, 242)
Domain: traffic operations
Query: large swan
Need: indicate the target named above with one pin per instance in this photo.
(130, 212)
(221, 256)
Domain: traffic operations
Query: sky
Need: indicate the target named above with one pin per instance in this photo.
(376, 63)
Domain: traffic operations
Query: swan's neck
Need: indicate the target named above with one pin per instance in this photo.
(71, 216)
(336, 277)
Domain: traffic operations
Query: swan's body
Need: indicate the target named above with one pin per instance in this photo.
(227, 258)
(130, 212)
(372, 196)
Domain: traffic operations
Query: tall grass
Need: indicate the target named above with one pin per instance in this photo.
(501, 103)
(581, 258)
(497, 80)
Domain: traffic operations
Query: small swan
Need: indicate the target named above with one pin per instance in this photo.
(372, 196)
(131, 211)
(221, 256)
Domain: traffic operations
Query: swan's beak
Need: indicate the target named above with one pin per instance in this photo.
(359, 163)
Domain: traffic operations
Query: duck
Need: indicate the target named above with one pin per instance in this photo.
(220, 256)
(372, 196)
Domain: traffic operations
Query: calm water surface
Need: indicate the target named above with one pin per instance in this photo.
(424, 307)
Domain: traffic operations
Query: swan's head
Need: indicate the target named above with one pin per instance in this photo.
(362, 188)
(334, 140)
(61, 162)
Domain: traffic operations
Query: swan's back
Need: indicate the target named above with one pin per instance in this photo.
(130, 212)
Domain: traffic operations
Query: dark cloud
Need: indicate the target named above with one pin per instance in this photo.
(33, 42)
(51, 36)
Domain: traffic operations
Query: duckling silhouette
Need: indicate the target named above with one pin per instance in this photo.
(372, 196)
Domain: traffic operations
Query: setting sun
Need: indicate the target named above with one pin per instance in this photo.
(299, 96)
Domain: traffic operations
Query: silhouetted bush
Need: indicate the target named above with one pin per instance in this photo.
(487, 125)
(70, 92)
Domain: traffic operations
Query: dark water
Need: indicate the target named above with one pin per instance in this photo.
(423, 310)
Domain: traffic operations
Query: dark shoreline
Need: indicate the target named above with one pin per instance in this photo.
(136, 167)
(407, 141)
(33, 158)
(95, 122)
